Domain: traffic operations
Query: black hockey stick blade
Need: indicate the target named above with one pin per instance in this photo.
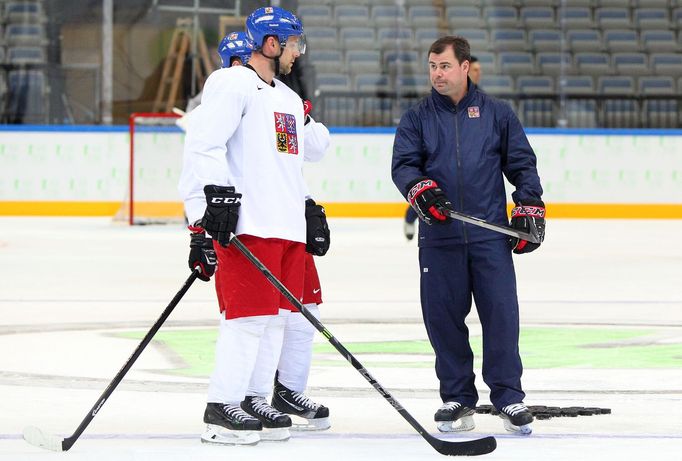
(475, 447)
(493, 227)
(37, 437)
(464, 448)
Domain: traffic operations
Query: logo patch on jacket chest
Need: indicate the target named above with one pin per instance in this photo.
(473, 112)
(285, 133)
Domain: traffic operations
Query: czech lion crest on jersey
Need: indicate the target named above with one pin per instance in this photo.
(285, 133)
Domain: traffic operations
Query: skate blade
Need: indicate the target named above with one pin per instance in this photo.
(278, 434)
(217, 435)
(310, 424)
(526, 429)
(465, 423)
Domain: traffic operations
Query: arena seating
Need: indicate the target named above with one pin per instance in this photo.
(524, 46)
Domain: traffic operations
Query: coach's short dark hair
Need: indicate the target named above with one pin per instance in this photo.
(460, 46)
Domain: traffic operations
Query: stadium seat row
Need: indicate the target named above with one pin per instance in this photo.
(363, 38)
(491, 16)
(505, 62)
(505, 84)
(547, 112)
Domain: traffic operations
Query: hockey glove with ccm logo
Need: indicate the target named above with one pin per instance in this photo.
(317, 230)
(521, 215)
(222, 212)
(428, 200)
(201, 252)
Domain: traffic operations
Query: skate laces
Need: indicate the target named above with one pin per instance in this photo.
(514, 409)
(261, 406)
(303, 400)
(235, 412)
(450, 406)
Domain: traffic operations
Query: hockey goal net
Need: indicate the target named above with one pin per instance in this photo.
(156, 145)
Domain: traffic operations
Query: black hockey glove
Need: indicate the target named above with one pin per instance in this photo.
(521, 215)
(429, 201)
(201, 253)
(222, 212)
(317, 230)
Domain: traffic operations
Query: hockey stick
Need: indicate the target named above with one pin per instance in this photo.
(37, 437)
(464, 448)
(532, 238)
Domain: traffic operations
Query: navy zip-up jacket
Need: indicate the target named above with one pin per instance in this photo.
(465, 148)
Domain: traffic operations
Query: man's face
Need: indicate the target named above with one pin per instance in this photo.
(292, 50)
(475, 72)
(447, 75)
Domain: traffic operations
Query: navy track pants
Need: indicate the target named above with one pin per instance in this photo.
(450, 276)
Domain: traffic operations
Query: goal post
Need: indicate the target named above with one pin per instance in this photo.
(155, 163)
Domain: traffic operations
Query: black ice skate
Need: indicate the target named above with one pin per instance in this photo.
(230, 425)
(517, 419)
(454, 417)
(297, 404)
(275, 423)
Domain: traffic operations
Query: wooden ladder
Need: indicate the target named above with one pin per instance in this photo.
(171, 75)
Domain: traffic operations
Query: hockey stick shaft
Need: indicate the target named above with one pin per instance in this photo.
(473, 447)
(532, 238)
(69, 441)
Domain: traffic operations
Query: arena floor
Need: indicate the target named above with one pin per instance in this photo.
(601, 308)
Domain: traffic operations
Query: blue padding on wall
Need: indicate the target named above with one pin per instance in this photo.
(358, 130)
(562, 131)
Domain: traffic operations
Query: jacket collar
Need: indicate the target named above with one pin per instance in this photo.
(445, 103)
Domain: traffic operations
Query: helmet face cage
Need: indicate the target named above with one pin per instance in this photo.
(235, 45)
(276, 22)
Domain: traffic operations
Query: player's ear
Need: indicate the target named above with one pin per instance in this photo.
(272, 42)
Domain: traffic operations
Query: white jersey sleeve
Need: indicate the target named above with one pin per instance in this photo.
(317, 140)
(211, 125)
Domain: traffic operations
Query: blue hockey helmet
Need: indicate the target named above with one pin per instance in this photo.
(277, 22)
(235, 45)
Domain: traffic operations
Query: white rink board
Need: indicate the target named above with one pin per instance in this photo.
(575, 168)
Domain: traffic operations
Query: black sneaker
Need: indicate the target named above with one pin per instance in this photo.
(275, 423)
(229, 425)
(454, 417)
(298, 404)
(517, 418)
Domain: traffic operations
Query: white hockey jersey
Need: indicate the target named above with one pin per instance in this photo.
(250, 135)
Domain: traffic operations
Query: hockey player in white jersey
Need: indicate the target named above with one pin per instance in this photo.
(242, 173)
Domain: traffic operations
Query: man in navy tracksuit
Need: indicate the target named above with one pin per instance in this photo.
(450, 152)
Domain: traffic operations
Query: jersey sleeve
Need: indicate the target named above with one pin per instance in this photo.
(316, 141)
(210, 127)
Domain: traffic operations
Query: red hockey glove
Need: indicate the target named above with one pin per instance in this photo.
(201, 253)
(429, 201)
(521, 215)
(307, 108)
